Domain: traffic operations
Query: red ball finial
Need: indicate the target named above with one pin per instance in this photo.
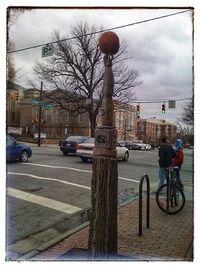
(109, 43)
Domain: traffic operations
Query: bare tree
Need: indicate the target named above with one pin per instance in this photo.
(76, 71)
(186, 133)
(13, 74)
(188, 113)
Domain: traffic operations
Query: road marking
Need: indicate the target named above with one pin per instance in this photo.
(127, 179)
(42, 201)
(74, 169)
(50, 179)
(57, 167)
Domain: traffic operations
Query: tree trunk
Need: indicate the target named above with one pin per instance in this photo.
(103, 226)
(92, 124)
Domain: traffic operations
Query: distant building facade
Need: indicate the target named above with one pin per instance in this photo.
(57, 123)
(152, 130)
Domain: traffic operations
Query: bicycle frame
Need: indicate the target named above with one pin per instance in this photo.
(171, 182)
(169, 197)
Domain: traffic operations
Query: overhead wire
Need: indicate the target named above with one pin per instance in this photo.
(100, 31)
(160, 100)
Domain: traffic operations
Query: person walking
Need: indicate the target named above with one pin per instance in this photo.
(165, 153)
(177, 161)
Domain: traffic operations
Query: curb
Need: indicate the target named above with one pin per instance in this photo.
(52, 242)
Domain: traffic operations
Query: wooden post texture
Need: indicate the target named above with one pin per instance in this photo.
(103, 221)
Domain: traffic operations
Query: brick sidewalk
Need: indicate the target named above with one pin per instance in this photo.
(170, 237)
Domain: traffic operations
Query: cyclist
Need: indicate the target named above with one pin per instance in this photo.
(165, 153)
(177, 161)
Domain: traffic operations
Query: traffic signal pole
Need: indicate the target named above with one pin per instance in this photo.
(40, 115)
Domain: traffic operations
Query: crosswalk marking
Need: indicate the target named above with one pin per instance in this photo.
(42, 201)
(50, 179)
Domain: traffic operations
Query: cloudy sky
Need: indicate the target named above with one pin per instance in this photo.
(160, 50)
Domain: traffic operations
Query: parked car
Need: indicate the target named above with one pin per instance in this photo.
(139, 145)
(17, 151)
(148, 147)
(86, 150)
(69, 146)
(126, 144)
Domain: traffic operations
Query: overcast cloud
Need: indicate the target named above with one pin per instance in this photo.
(160, 50)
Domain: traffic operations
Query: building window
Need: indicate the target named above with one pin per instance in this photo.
(59, 116)
(81, 117)
(48, 117)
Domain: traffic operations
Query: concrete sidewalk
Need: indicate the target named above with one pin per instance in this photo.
(169, 238)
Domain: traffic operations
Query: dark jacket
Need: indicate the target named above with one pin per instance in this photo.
(166, 153)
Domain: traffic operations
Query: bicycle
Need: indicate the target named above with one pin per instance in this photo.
(170, 198)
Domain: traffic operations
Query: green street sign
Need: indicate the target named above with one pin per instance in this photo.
(47, 50)
(42, 104)
(49, 105)
(35, 101)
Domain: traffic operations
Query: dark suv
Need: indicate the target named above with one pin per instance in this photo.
(71, 143)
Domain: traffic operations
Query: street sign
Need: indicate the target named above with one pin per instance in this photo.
(35, 101)
(171, 104)
(49, 105)
(42, 104)
(47, 50)
(42, 135)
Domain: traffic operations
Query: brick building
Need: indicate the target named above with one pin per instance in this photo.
(57, 123)
(152, 130)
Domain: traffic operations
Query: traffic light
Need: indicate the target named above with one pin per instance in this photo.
(163, 109)
(138, 110)
(16, 96)
(114, 107)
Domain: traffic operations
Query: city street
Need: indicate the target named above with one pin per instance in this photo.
(51, 190)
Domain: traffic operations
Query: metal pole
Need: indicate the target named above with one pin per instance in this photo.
(140, 206)
(140, 203)
(40, 115)
(148, 201)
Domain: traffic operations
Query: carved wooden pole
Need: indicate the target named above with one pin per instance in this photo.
(103, 220)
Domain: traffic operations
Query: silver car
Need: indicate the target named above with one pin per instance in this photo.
(86, 151)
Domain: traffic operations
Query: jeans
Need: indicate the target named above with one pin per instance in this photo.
(162, 176)
(178, 179)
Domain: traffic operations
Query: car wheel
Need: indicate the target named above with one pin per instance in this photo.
(126, 156)
(65, 153)
(23, 156)
(84, 159)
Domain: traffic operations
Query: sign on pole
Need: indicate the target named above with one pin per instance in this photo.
(171, 104)
(35, 101)
(47, 50)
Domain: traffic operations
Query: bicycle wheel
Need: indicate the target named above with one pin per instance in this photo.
(170, 199)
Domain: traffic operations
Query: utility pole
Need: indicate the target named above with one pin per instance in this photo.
(103, 220)
(40, 115)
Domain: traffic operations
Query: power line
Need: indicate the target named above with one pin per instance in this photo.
(109, 29)
(160, 100)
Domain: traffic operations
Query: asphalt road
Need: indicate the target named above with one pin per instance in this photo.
(51, 189)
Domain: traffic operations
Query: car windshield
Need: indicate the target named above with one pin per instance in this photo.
(75, 138)
(136, 142)
(9, 140)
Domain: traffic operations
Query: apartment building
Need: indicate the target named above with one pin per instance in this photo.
(152, 130)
